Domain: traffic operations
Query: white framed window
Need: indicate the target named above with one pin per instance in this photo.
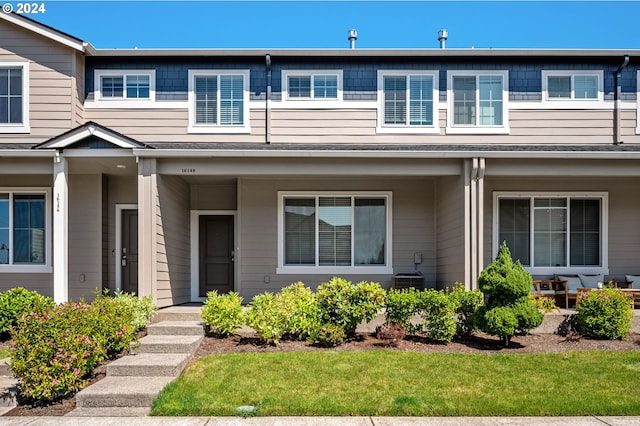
(219, 101)
(316, 85)
(14, 97)
(25, 230)
(574, 86)
(638, 103)
(407, 101)
(124, 88)
(478, 102)
(554, 232)
(334, 233)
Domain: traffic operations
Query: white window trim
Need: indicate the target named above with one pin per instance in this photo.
(549, 270)
(338, 270)
(638, 103)
(406, 128)
(124, 102)
(477, 129)
(311, 102)
(200, 128)
(47, 266)
(24, 127)
(571, 102)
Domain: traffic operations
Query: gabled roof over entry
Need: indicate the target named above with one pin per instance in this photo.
(91, 135)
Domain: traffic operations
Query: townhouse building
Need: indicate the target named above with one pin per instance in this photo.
(173, 172)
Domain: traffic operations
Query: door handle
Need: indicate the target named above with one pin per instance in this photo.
(123, 262)
(233, 255)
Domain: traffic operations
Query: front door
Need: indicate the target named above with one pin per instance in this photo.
(129, 253)
(216, 254)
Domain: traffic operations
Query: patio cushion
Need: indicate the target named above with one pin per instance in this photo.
(634, 279)
(591, 281)
(573, 283)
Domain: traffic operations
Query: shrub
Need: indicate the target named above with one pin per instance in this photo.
(142, 309)
(344, 304)
(329, 335)
(392, 333)
(301, 307)
(401, 305)
(19, 301)
(604, 314)
(437, 312)
(54, 351)
(465, 303)
(267, 318)
(223, 314)
(543, 303)
(506, 286)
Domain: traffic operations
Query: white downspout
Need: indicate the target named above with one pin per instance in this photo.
(60, 229)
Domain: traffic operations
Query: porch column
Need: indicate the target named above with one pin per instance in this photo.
(60, 229)
(467, 223)
(147, 237)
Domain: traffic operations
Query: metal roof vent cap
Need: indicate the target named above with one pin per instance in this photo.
(353, 36)
(442, 37)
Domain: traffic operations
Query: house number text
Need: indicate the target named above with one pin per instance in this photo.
(188, 170)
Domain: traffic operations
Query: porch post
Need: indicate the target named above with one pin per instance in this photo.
(467, 224)
(60, 229)
(147, 191)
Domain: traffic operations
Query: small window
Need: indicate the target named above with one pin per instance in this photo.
(408, 101)
(129, 86)
(218, 101)
(323, 85)
(24, 230)
(334, 233)
(477, 100)
(14, 98)
(572, 85)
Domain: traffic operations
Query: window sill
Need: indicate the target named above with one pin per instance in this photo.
(219, 129)
(15, 129)
(335, 270)
(135, 104)
(478, 130)
(426, 130)
(26, 269)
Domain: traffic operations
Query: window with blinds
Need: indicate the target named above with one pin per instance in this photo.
(219, 100)
(552, 231)
(335, 231)
(11, 95)
(572, 85)
(408, 99)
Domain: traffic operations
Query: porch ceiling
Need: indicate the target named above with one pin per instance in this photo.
(118, 166)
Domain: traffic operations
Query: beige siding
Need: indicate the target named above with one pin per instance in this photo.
(450, 230)
(42, 283)
(221, 196)
(51, 82)
(77, 93)
(173, 242)
(85, 236)
(413, 229)
(624, 226)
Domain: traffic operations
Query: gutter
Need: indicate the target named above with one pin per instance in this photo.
(41, 153)
(617, 139)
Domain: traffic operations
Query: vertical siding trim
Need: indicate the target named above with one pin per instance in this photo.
(147, 192)
(60, 229)
(467, 224)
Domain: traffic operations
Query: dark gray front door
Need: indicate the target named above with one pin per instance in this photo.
(129, 258)
(216, 254)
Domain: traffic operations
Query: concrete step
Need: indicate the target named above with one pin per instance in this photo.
(8, 391)
(176, 328)
(178, 313)
(5, 367)
(149, 365)
(122, 392)
(161, 344)
(110, 412)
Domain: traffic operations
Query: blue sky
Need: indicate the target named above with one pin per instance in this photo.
(324, 24)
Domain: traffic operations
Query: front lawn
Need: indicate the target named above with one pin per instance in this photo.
(394, 383)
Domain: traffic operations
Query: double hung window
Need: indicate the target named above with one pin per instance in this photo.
(553, 231)
(218, 101)
(24, 229)
(477, 102)
(408, 100)
(14, 106)
(320, 232)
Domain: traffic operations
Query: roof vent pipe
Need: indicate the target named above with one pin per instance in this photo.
(442, 37)
(353, 36)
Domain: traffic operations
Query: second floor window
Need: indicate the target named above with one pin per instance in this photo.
(408, 99)
(312, 85)
(14, 98)
(572, 85)
(478, 100)
(127, 85)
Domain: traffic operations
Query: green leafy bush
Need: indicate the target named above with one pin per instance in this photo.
(54, 351)
(267, 318)
(437, 312)
(301, 307)
(508, 310)
(19, 301)
(346, 304)
(604, 314)
(401, 305)
(223, 313)
(329, 335)
(466, 303)
(543, 303)
(142, 309)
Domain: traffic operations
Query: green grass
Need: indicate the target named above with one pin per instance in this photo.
(393, 383)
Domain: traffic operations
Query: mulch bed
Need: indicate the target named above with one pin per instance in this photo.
(479, 343)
